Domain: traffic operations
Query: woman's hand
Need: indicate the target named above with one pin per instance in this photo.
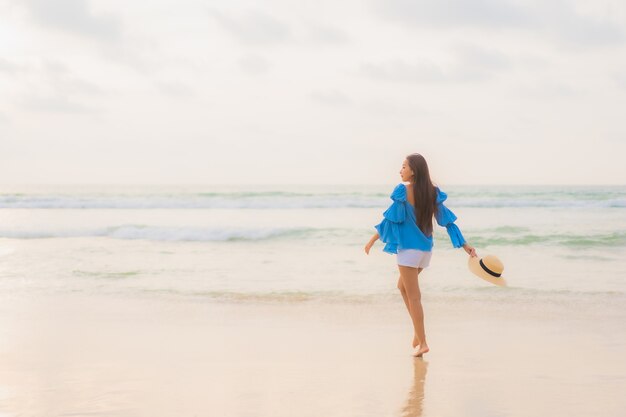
(371, 243)
(470, 250)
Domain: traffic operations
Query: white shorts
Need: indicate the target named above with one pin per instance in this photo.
(414, 258)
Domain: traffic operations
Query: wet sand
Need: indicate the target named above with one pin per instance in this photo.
(78, 355)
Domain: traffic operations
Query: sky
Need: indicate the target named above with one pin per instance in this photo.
(312, 92)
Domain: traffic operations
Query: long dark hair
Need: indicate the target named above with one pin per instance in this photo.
(424, 193)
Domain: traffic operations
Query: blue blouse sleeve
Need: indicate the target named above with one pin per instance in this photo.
(388, 229)
(445, 217)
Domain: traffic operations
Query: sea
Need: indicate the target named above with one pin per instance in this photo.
(561, 246)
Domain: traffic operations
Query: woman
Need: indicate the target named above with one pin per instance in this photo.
(407, 229)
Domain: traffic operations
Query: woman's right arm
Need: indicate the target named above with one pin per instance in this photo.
(371, 243)
(470, 250)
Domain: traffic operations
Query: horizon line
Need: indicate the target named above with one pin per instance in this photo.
(310, 184)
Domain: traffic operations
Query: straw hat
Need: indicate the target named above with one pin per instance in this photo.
(488, 268)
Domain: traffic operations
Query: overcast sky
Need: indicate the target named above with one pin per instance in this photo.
(283, 91)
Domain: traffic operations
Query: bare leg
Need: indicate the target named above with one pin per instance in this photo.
(405, 297)
(410, 282)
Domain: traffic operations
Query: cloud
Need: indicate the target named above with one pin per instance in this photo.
(562, 21)
(58, 90)
(330, 97)
(400, 71)
(493, 13)
(55, 103)
(175, 89)
(542, 89)
(254, 27)
(75, 16)
(469, 63)
(253, 64)
(78, 20)
(140, 55)
(557, 19)
(62, 80)
(326, 34)
(469, 55)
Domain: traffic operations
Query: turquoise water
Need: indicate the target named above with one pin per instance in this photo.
(560, 245)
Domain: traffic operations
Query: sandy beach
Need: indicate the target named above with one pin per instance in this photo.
(78, 355)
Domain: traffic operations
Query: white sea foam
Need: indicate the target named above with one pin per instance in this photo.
(163, 233)
(488, 237)
(485, 197)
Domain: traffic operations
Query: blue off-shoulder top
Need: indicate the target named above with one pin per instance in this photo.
(399, 229)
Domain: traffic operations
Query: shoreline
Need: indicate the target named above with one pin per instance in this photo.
(144, 356)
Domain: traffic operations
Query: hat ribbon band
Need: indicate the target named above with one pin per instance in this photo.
(489, 271)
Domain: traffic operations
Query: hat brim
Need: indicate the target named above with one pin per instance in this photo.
(477, 270)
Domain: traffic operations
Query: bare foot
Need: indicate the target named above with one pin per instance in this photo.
(416, 342)
(421, 350)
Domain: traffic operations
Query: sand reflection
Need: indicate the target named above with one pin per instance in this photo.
(415, 400)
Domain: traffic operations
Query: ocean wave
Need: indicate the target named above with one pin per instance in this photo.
(281, 200)
(484, 197)
(506, 297)
(274, 296)
(191, 234)
(615, 239)
(489, 237)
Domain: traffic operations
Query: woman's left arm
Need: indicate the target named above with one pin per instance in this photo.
(446, 218)
(369, 244)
